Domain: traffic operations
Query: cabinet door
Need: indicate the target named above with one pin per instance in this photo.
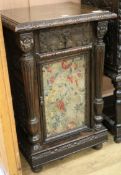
(65, 94)
(9, 155)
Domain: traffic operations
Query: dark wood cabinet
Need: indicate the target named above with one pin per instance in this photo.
(55, 57)
(112, 105)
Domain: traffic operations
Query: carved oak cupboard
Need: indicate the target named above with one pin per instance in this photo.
(112, 109)
(55, 58)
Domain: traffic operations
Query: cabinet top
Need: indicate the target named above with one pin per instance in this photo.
(44, 16)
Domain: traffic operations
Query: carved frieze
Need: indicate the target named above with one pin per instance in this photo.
(63, 38)
(71, 145)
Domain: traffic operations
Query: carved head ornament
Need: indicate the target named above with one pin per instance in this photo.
(26, 42)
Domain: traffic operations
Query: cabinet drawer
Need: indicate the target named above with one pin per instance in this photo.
(66, 37)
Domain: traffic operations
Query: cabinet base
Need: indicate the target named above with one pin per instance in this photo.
(48, 154)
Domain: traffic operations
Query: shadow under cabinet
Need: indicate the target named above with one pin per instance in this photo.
(55, 59)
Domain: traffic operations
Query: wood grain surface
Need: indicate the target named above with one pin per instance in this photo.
(9, 4)
(41, 2)
(9, 154)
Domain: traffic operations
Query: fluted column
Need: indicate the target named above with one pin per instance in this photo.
(28, 68)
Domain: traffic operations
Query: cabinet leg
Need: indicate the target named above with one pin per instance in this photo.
(117, 139)
(98, 147)
(36, 169)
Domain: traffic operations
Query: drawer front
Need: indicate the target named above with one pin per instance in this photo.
(68, 37)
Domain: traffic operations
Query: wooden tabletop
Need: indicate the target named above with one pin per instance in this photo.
(51, 15)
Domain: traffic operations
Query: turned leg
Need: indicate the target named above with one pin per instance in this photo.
(98, 147)
(117, 94)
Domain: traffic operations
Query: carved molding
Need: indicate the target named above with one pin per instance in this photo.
(111, 44)
(119, 38)
(71, 145)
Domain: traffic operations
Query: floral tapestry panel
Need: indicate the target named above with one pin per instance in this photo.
(65, 94)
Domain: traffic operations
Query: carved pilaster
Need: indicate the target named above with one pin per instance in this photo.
(119, 36)
(99, 64)
(28, 68)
